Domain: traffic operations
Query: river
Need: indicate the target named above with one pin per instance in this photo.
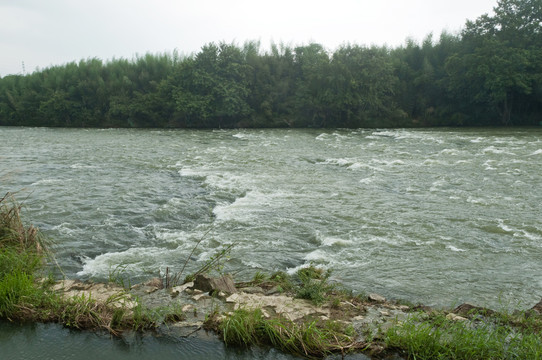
(437, 216)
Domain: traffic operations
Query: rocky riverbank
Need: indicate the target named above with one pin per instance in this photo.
(361, 323)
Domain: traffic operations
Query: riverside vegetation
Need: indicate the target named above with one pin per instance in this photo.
(489, 74)
(415, 332)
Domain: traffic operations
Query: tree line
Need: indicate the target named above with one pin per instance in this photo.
(489, 74)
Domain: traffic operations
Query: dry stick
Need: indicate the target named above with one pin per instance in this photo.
(178, 275)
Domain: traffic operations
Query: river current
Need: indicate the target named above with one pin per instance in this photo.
(438, 216)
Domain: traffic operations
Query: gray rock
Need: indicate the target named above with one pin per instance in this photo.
(252, 290)
(155, 282)
(377, 298)
(470, 310)
(275, 290)
(207, 283)
(538, 307)
(455, 317)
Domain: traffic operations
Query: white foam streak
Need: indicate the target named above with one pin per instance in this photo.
(138, 257)
(455, 249)
(250, 206)
(82, 166)
(48, 182)
(497, 151)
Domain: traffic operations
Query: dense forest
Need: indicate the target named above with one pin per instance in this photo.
(489, 74)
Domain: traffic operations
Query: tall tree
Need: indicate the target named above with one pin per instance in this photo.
(213, 87)
(499, 64)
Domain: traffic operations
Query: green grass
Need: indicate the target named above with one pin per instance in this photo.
(314, 285)
(23, 252)
(436, 337)
(314, 338)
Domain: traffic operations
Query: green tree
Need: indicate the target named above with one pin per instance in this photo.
(212, 88)
(361, 85)
(498, 67)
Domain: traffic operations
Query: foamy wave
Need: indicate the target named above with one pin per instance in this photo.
(229, 182)
(459, 162)
(248, 207)
(505, 227)
(497, 151)
(82, 166)
(241, 136)
(477, 201)
(386, 134)
(331, 240)
(453, 248)
(317, 255)
(437, 185)
(294, 270)
(251, 264)
(340, 162)
(178, 165)
(322, 136)
(191, 172)
(48, 182)
(451, 152)
(362, 165)
(537, 152)
(388, 162)
(530, 235)
(488, 166)
(176, 237)
(138, 257)
(64, 228)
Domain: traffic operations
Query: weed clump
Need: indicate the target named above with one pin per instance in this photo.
(436, 337)
(22, 253)
(26, 296)
(314, 284)
(313, 339)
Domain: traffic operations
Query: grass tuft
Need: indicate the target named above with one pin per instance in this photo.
(314, 284)
(22, 253)
(436, 337)
(313, 339)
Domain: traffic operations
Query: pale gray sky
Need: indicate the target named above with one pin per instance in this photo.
(53, 32)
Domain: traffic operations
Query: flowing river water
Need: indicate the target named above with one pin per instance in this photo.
(438, 216)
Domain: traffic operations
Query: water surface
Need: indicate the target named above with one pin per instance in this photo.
(435, 216)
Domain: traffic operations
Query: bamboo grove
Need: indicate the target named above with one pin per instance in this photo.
(490, 74)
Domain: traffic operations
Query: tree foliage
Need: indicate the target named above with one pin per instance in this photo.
(489, 74)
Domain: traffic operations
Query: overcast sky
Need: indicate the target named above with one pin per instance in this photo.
(53, 32)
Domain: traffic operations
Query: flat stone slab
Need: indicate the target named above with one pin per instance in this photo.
(292, 309)
(109, 294)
